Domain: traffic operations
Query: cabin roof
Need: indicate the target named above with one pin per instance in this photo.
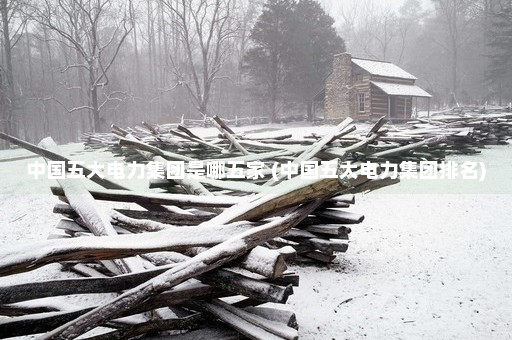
(401, 89)
(382, 68)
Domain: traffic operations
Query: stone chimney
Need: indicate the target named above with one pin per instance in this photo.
(339, 93)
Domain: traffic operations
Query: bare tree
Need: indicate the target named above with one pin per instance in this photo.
(408, 20)
(204, 28)
(247, 14)
(133, 19)
(13, 24)
(349, 19)
(384, 32)
(375, 31)
(96, 30)
(454, 16)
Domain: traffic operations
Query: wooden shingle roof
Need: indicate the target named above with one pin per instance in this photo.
(382, 68)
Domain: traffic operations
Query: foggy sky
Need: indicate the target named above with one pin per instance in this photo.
(333, 6)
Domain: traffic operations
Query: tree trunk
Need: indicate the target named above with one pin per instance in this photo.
(454, 69)
(139, 80)
(29, 60)
(274, 86)
(309, 107)
(273, 104)
(95, 110)
(52, 109)
(81, 83)
(93, 96)
(9, 77)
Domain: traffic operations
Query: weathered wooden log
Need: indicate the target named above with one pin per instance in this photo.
(286, 279)
(331, 230)
(376, 127)
(161, 183)
(160, 198)
(32, 324)
(298, 234)
(155, 325)
(333, 204)
(77, 228)
(157, 216)
(232, 185)
(167, 140)
(340, 216)
(132, 143)
(269, 263)
(266, 262)
(19, 310)
(429, 141)
(36, 290)
(319, 256)
(197, 140)
(328, 245)
(188, 132)
(249, 324)
(229, 134)
(242, 285)
(285, 317)
(209, 331)
(282, 196)
(312, 150)
(27, 257)
(342, 153)
(84, 270)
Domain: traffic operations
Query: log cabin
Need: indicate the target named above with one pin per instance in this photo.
(365, 89)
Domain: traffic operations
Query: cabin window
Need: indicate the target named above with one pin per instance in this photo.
(360, 100)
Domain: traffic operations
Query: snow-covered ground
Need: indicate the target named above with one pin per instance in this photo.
(431, 260)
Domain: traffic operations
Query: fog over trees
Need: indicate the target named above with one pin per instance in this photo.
(70, 66)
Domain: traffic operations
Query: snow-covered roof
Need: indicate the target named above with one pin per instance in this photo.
(382, 68)
(401, 90)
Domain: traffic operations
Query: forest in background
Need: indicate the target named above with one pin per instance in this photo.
(70, 66)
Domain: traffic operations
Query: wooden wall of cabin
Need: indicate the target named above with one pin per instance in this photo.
(401, 108)
(379, 102)
(393, 80)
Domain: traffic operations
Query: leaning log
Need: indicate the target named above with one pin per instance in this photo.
(26, 257)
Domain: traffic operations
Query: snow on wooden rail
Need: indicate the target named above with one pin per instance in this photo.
(197, 243)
